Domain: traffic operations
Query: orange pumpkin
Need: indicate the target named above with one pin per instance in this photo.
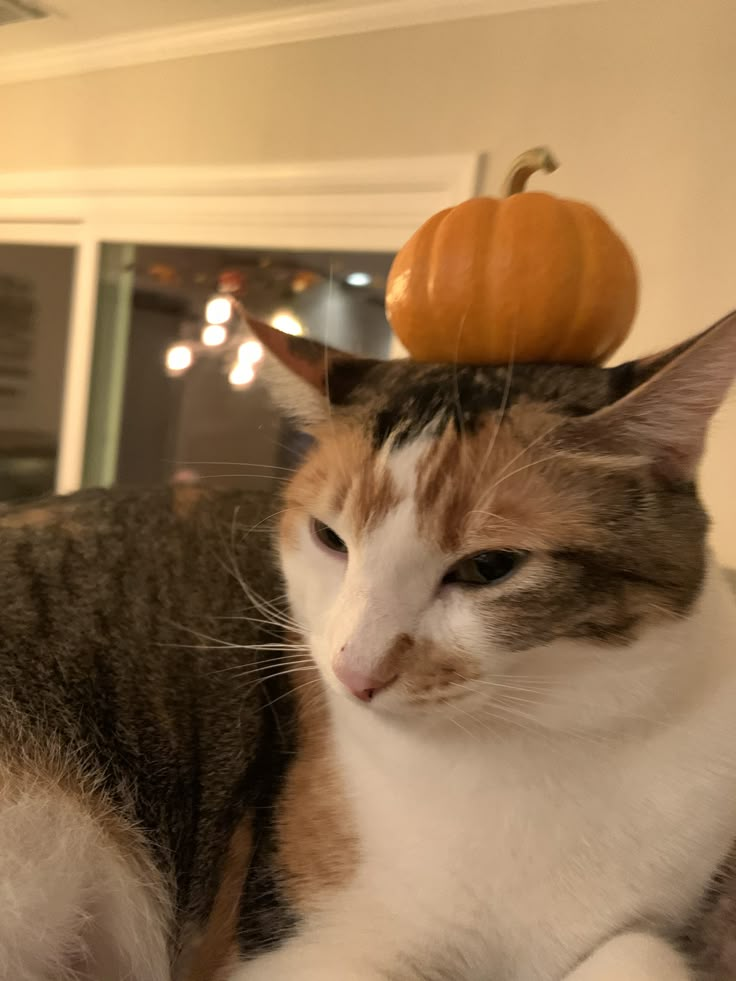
(527, 277)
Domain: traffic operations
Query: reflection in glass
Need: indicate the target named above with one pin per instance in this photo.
(35, 295)
(176, 391)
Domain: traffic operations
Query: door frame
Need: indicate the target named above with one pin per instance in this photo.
(353, 205)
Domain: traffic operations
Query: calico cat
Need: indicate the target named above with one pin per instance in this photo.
(489, 736)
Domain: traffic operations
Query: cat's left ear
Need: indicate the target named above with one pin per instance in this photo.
(306, 377)
(668, 402)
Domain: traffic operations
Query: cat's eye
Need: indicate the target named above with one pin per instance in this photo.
(327, 537)
(485, 568)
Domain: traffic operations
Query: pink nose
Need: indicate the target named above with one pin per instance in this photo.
(358, 683)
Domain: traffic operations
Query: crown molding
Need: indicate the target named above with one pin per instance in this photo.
(331, 18)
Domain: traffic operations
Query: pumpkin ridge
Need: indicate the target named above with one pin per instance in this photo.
(433, 285)
(481, 305)
(584, 269)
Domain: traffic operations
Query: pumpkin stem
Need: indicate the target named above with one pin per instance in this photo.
(540, 158)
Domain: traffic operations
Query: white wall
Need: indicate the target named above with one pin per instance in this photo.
(637, 98)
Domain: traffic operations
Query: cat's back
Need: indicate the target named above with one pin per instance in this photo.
(131, 589)
(107, 558)
(133, 626)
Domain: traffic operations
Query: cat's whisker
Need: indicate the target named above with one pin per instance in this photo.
(527, 466)
(461, 727)
(264, 530)
(517, 682)
(503, 473)
(270, 626)
(268, 609)
(274, 633)
(264, 606)
(325, 349)
(342, 463)
(240, 616)
(236, 671)
(199, 635)
(554, 695)
(232, 463)
(488, 456)
(219, 642)
(533, 724)
(458, 402)
(493, 514)
(509, 676)
(272, 677)
(292, 690)
(511, 710)
(317, 696)
(279, 603)
(501, 686)
(477, 721)
(674, 614)
(260, 603)
(531, 444)
(288, 667)
(257, 663)
(258, 524)
(233, 647)
(264, 476)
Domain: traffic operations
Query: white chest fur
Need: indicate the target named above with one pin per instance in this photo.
(511, 853)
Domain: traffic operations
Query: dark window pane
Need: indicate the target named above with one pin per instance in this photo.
(35, 294)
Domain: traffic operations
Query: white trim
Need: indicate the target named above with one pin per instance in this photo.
(77, 369)
(332, 18)
(361, 205)
(384, 175)
(39, 233)
(351, 204)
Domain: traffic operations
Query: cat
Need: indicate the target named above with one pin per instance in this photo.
(473, 719)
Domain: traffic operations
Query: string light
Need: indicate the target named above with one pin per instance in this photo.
(225, 336)
(241, 374)
(213, 335)
(178, 358)
(218, 310)
(359, 279)
(250, 352)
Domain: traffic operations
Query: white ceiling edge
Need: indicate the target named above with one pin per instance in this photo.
(333, 18)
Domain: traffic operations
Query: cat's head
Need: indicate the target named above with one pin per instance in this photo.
(459, 535)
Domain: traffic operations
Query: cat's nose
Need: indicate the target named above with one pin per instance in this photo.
(359, 683)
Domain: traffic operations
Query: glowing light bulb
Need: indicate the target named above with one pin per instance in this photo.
(250, 352)
(287, 323)
(213, 335)
(241, 374)
(359, 279)
(218, 310)
(178, 358)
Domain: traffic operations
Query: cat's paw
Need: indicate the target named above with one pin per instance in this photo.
(633, 957)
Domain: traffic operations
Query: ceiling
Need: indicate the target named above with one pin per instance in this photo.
(82, 36)
(81, 22)
(75, 21)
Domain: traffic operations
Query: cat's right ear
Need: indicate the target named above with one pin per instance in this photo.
(668, 402)
(306, 377)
